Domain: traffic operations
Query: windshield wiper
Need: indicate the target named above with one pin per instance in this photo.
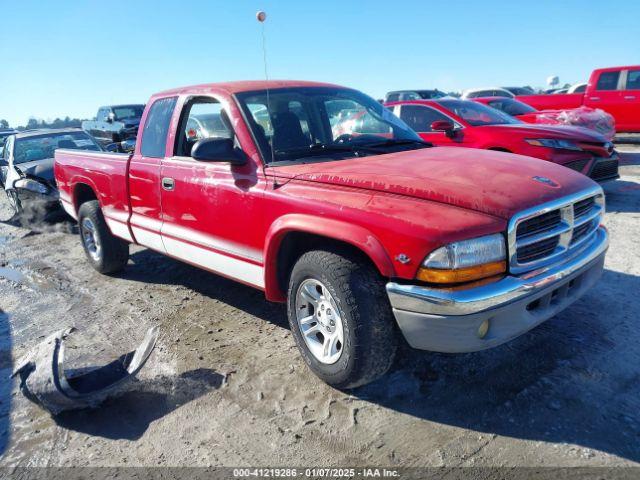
(392, 142)
(320, 148)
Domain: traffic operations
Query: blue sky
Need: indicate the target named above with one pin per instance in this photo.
(68, 57)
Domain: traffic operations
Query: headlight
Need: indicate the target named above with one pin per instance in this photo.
(553, 143)
(465, 261)
(32, 185)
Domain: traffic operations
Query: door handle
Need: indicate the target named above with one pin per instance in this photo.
(630, 97)
(168, 183)
(594, 98)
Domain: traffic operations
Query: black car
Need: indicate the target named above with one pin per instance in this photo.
(26, 168)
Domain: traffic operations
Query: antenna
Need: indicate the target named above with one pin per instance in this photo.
(261, 16)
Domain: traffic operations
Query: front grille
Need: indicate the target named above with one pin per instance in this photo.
(580, 232)
(578, 165)
(604, 170)
(583, 206)
(538, 250)
(543, 234)
(539, 224)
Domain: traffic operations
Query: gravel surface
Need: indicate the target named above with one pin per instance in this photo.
(226, 385)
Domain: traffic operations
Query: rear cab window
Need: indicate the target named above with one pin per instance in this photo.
(156, 127)
(608, 81)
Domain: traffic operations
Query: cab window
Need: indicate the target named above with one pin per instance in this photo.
(201, 118)
(608, 81)
(633, 80)
(156, 127)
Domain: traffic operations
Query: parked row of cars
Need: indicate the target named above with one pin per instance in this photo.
(341, 208)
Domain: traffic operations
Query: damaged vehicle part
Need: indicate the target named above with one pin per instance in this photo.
(27, 175)
(45, 380)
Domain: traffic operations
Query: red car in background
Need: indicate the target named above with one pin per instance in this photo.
(591, 118)
(465, 123)
(616, 90)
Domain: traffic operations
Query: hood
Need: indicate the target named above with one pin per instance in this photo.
(41, 168)
(563, 132)
(495, 183)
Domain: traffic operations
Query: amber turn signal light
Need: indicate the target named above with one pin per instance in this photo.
(436, 275)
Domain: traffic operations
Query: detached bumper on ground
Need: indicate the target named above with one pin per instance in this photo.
(448, 320)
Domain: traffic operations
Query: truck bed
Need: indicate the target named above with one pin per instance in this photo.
(559, 101)
(82, 173)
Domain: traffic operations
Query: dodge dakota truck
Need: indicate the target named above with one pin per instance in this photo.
(367, 236)
(616, 90)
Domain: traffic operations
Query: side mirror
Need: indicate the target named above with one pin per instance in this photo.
(218, 150)
(444, 126)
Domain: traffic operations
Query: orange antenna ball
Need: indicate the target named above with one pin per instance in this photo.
(261, 16)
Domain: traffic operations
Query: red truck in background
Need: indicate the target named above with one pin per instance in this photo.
(616, 90)
(364, 235)
(467, 123)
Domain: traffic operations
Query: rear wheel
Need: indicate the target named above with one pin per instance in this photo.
(105, 252)
(341, 318)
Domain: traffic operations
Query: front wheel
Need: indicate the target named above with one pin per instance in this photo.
(14, 201)
(341, 318)
(106, 252)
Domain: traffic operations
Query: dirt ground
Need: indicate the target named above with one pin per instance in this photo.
(226, 385)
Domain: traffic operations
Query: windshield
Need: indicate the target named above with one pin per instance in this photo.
(430, 94)
(128, 111)
(511, 107)
(476, 114)
(297, 123)
(41, 147)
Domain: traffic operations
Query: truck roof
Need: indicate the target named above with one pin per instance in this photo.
(624, 67)
(244, 86)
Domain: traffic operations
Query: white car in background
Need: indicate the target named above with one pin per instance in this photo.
(487, 92)
(578, 88)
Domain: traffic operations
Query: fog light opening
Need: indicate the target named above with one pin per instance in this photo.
(483, 329)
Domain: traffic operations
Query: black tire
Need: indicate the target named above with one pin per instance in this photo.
(113, 253)
(369, 331)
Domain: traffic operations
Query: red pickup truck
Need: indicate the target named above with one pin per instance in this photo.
(364, 235)
(615, 90)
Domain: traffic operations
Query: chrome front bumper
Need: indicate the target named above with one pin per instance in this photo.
(448, 320)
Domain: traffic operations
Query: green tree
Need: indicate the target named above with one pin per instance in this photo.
(4, 123)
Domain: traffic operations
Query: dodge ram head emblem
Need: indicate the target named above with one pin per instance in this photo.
(546, 181)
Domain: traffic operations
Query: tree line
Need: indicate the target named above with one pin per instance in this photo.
(34, 123)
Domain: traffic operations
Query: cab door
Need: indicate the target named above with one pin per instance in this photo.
(212, 210)
(607, 94)
(629, 118)
(421, 117)
(144, 175)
